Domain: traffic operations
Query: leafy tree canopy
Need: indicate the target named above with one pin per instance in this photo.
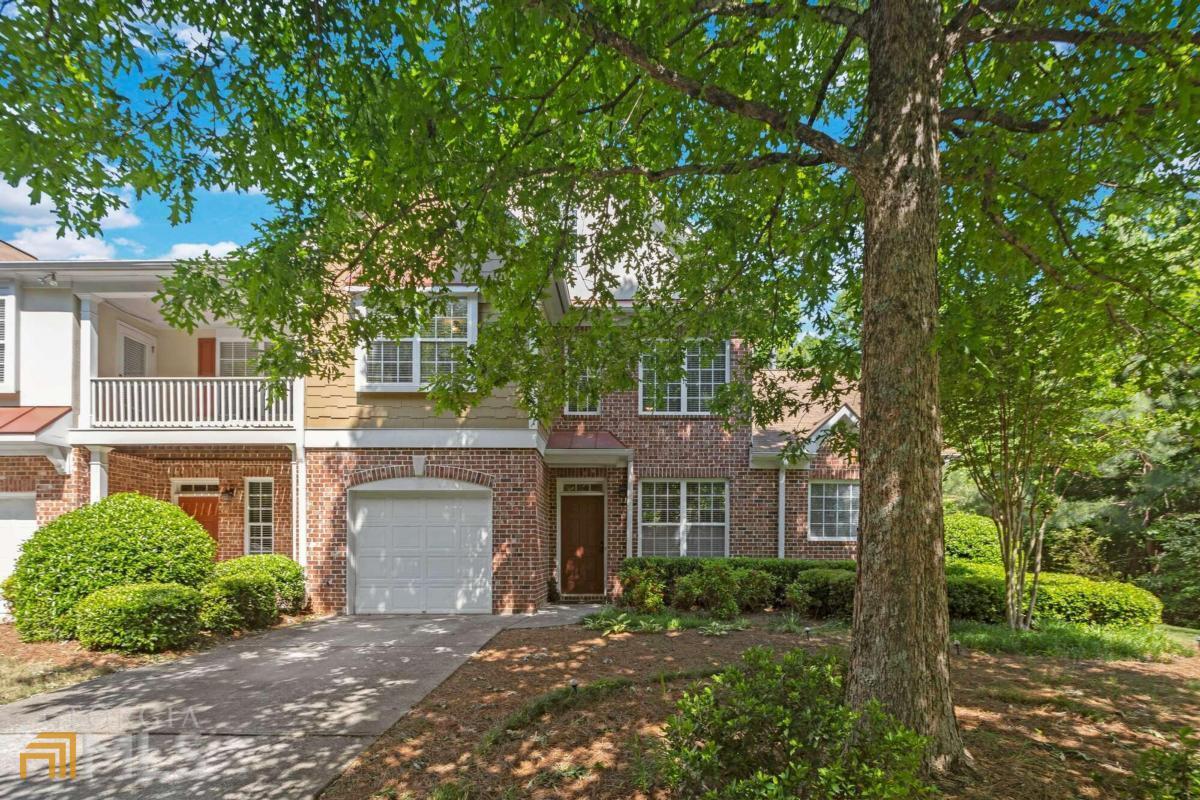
(712, 150)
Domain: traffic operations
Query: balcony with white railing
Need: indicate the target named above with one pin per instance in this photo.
(191, 403)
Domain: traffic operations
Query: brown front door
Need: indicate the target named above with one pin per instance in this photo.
(204, 510)
(581, 556)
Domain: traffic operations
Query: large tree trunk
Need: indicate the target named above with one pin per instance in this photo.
(899, 654)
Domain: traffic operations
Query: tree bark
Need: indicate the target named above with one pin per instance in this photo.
(899, 654)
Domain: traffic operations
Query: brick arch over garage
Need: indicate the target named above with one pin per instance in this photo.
(431, 470)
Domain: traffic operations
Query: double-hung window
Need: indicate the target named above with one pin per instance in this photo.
(684, 518)
(583, 398)
(260, 516)
(833, 510)
(705, 370)
(412, 363)
(238, 358)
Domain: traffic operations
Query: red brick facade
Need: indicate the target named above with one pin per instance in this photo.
(679, 446)
(524, 494)
(151, 471)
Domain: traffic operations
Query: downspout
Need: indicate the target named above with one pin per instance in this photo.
(629, 508)
(781, 514)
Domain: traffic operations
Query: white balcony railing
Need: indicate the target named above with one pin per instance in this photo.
(189, 403)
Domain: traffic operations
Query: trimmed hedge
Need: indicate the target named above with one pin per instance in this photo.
(829, 592)
(976, 592)
(238, 602)
(125, 538)
(285, 575)
(138, 617)
(723, 591)
(784, 571)
(972, 537)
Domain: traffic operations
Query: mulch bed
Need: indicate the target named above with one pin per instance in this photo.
(1040, 728)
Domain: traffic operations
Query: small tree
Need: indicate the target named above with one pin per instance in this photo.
(1026, 382)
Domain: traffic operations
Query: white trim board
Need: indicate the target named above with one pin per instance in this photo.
(424, 437)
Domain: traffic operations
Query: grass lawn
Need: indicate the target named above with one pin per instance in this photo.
(28, 668)
(510, 723)
(1188, 637)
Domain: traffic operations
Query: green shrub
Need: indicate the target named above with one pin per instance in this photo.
(712, 588)
(782, 570)
(975, 597)
(138, 617)
(779, 728)
(976, 592)
(643, 589)
(125, 538)
(1176, 570)
(756, 589)
(830, 592)
(286, 575)
(1170, 773)
(973, 538)
(723, 590)
(797, 598)
(238, 603)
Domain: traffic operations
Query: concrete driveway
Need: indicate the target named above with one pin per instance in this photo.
(274, 715)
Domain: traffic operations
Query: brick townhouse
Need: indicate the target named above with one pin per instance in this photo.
(391, 507)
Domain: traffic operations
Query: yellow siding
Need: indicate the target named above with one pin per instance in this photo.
(337, 405)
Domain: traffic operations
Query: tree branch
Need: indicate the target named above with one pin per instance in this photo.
(655, 175)
(835, 66)
(708, 93)
(1003, 119)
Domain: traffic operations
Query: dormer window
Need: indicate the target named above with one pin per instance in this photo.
(410, 364)
(705, 370)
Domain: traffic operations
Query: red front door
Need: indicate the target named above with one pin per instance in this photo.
(581, 556)
(203, 509)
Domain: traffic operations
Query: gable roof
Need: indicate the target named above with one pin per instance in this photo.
(806, 421)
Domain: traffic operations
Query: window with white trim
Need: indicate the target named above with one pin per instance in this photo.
(584, 399)
(437, 348)
(833, 510)
(260, 516)
(136, 355)
(683, 518)
(705, 370)
(238, 358)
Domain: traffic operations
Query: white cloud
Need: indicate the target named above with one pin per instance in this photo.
(16, 208)
(190, 36)
(136, 247)
(45, 243)
(197, 249)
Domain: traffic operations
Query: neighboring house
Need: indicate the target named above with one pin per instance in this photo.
(390, 506)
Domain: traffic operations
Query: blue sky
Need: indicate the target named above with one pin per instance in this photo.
(220, 221)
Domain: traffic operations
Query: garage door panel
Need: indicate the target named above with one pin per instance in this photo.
(406, 536)
(434, 554)
(455, 567)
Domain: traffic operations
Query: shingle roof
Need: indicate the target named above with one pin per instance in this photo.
(807, 419)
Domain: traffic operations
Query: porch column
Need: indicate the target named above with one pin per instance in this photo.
(98, 474)
(629, 495)
(89, 363)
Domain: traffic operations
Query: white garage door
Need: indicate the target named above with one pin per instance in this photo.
(17, 522)
(418, 552)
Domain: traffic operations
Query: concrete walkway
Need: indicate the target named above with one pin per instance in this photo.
(274, 715)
